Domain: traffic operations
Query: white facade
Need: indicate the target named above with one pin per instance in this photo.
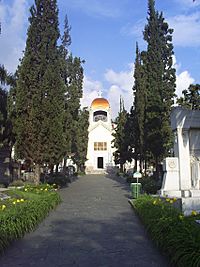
(100, 151)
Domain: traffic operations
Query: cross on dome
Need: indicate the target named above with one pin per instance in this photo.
(100, 93)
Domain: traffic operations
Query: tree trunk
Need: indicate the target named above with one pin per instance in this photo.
(51, 168)
(145, 167)
(57, 165)
(64, 165)
(157, 169)
(37, 174)
(135, 166)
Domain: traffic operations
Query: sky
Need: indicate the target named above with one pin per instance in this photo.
(104, 34)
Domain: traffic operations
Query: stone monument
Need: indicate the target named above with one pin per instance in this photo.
(182, 172)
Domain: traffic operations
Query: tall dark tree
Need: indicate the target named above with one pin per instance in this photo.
(40, 90)
(160, 84)
(75, 93)
(75, 123)
(6, 80)
(81, 139)
(121, 154)
(139, 106)
(191, 97)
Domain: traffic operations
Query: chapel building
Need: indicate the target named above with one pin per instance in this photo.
(100, 151)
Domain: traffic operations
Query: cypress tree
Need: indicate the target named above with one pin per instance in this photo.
(75, 120)
(160, 84)
(40, 90)
(81, 139)
(6, 79)
(139, 90)
(120, 142)
(74, 94)
(68, 114)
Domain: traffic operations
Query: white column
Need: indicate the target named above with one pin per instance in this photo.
(184, 158)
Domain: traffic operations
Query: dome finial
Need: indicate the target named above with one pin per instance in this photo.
(99, 93)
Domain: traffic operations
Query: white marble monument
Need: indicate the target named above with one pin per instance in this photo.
(182, 172)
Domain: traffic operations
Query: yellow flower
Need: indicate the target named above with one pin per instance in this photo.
(181, 217)
(3, 207)
(167, 199)
(45, 189)
(18, 200)
(159, 200)
(41, 189)
(171, 201)
(25, 189)
(193, 213)
(22, 200)
(154, 203)
(14, 202)
(174, 199)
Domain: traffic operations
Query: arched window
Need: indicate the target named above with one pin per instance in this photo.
(100, 115)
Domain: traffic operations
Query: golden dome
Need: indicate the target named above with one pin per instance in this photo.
(100, 103)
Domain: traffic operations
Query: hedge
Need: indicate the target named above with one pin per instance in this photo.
(24, 211)
(175, 234)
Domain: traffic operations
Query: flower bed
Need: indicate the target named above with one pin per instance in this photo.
(24, 210)
(177, 235)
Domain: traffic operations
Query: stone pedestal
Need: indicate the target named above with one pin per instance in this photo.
(171, 178)
(182, 172)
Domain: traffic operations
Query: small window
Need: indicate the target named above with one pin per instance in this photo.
(100, 115)
(100, 146)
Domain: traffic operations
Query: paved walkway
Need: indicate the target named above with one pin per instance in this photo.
(94, 226)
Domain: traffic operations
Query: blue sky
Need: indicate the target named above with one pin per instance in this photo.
(104, 33)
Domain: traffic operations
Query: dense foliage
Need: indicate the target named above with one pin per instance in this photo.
(138, 110)
(177, 235)
(40, 91)
(160, 84)
(120, 142)
(44, 106)
(81, 139)
(75, 119)
(191, 97)
(154, 92)
(24, 211)
(6, 80)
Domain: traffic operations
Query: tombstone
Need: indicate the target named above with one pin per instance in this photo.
(182, 172)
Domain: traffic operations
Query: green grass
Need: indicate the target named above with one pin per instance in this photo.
(24, 211)
(175, 234)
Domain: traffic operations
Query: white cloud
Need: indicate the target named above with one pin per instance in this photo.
(188, 3)
(13, 20)
(183, 80)
(90, 91)
(136, 29)
(121, 83)
(96, 7)
(186, 29)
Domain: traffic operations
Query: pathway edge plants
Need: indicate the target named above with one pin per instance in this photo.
(176, 235)
(24, 210)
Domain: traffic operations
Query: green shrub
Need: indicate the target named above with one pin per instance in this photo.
(177, 235)
(149, 185)
(17, 183)
(23, 212)
(59, 179)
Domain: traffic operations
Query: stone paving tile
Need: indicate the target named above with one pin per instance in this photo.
(93, 227)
